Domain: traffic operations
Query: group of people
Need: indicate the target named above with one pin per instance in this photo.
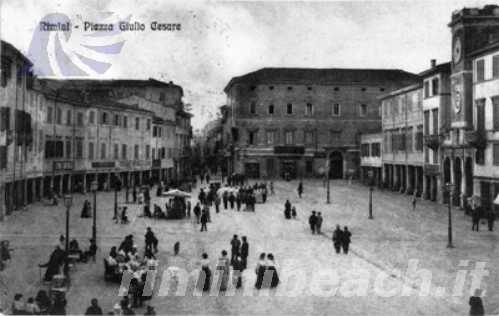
(341, 239)
(477, 214)
(315, 222)
(40, 304)
(289, 210)
(266, 272)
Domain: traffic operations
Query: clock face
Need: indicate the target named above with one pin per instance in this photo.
(457, 51)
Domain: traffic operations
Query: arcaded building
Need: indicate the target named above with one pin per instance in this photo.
(290, 120)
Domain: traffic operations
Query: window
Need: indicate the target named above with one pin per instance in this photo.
(289, 108)
(496, 154)
(271, 109)
(495, 66)
(91, 117)
(79, 148)
(408, 137)
(116, 151)
(289, 137)
(335, 109)
(252, 88)
(426, 122)
(253, 107)
(435, 87)
(363, 109)
(495, 108)
(480, 70)
(136, 152)
(148, 149)
(270, 135)
(419, 138)
(336, 89)
(251, 138)
(309, 109)
(125, 121)
(6, 70)
(103, 151)
(376, 149)
(434, 113)
(364, 150)
(154, 153)
(79, 118)
(363, 89)
(123, 151)
(309, 88)
(49, 114)
(58, 116)
(480, 156)
(68, 149)
(290, 88)
(68, 117)
(3, 156)
(161, 96)
(116, 120)
(480, 114)
(435, 156)
(309, 166)
(426, 89)
(309, 137)
(137, 123)
(148, 124)
(271, 87)
(104, 118)
(90, 151)
(381, 89)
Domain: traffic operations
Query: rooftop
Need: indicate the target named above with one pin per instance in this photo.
(324, 76)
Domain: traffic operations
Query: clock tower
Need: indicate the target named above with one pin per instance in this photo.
(471, 29)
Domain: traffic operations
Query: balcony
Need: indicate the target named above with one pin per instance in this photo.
(433, 141)
(476, 139)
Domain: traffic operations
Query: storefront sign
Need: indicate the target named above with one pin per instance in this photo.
(63, 165)
(103, 164)
(296, 150)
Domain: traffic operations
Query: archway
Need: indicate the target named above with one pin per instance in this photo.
(457, 181)
(336, 165)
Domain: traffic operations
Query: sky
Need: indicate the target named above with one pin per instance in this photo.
(220, 40)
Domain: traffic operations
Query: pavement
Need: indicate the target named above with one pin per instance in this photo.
(382, 275)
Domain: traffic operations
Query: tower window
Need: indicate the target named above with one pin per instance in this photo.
(271, 109)
(289, 108)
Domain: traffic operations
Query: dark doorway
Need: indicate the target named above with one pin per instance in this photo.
(270, 167)
(252, 169)
(446, 179)
(288, 169)
(336, 165)
(468, 176)
(457, 181)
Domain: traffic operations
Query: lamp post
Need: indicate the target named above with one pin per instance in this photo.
(93, 188)
(449, 187)
(370, 175)
(328, 163)
(68, 202)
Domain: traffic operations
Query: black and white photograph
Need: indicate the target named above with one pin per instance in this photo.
(167, 157)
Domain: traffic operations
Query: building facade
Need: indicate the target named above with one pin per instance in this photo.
(486, 123)
(403, 140)
(288, 121)
(58, 136)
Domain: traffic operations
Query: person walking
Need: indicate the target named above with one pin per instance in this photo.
(204, 220)
(312, 221)
(271, 270)
(225, 198)
(217, 203)
(346, 236)
(491, 217)
(476, 304)
(300, 189)
(197, 212)
(318, 223)
(202, 196)
(475, 218)
(235, 247)
(238, 202)
(205, 268)
(244, 252)
(206, 209)
(337, 238)
(151, 241)
(237, 272)
(271, 185)
(94, 308)
(414, 201)
(223, 266)
(260, 268)
(232, 199)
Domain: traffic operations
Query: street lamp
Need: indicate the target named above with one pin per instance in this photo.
(371, 188)
(93, 187)
(68, 202)
(449, 187)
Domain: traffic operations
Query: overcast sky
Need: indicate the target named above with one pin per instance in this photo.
(219, 40)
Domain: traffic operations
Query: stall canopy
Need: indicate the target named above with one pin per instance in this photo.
(176, 193)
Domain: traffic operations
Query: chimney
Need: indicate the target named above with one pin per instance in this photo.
(433, 63)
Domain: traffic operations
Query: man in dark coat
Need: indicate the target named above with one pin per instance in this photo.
(151, 241)
(204, 220)
(312, 221)
(53, 265)
(244, 252)
(197, 212)
(235, 245)
(300, 189)
(345, 243)
(202, 196)
(475, 218)
(225, 198)
(238, 202)
(337, 238)
(94, 308)
(232, 199)
(491, 217)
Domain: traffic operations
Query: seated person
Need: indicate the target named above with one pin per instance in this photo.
(111, 260)
(91, 252)
(121, 256)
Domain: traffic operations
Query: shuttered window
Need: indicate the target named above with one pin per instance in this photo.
(495, 107)
(496, 154)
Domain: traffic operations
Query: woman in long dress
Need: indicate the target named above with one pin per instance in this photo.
(260, 271)
(205, 268)
(223, 267)
(272, 271)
